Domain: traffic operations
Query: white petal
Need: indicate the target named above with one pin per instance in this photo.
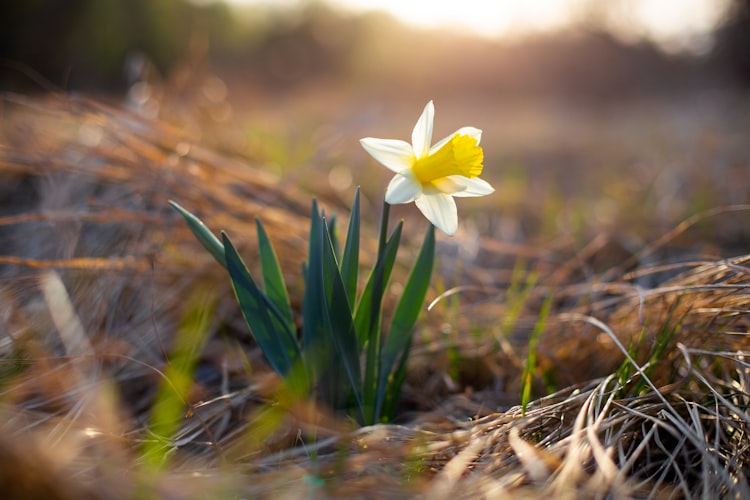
(421, 136)
(402, 189)
(471, 187)
(440, 209)
(470, 131)
(395, 154)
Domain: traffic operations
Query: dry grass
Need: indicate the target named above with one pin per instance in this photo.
(96, 273)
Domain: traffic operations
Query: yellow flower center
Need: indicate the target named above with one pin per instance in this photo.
(459, 156)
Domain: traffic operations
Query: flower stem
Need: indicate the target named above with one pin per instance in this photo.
(383, 227)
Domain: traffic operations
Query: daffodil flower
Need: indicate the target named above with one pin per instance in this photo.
(431, 176)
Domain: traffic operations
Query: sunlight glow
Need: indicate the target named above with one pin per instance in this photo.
(674, 25)
(499, 17)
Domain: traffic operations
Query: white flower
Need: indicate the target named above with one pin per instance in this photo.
(432, 176)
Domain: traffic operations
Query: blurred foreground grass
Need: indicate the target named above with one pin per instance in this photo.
(638, 386)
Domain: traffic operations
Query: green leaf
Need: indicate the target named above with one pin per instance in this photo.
(394, 388)
(343, 336)
(311, 301)
(368, 319)
(273, 279)
(316, 325)
(368, 308)
(314, 222)
(400, 334)
(279, 345)
(334, 234)
(203, 234)
(328, 328)
(350, 259)
(321, 351)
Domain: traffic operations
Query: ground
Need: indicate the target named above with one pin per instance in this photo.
(607, 275)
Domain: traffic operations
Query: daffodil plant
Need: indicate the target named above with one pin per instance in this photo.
(343, 354)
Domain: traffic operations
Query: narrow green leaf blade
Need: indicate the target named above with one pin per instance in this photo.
(368, 308)
(316, 326)
(334, 235)
(273, 279)
(343, 337)
(350, 259)
(279, 346)
(394, 388)
(311, 301)
(405, 317)
(368, 319)
(203, 234)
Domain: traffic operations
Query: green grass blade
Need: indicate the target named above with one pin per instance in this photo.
(521, 286)
(350, 259)
(405, 316)
(530, 368)
(203, 234)
(279, 345)
(168, 409)
(273, 279)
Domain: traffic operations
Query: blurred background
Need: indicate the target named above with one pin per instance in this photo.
(575, 48)
(598, 115)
